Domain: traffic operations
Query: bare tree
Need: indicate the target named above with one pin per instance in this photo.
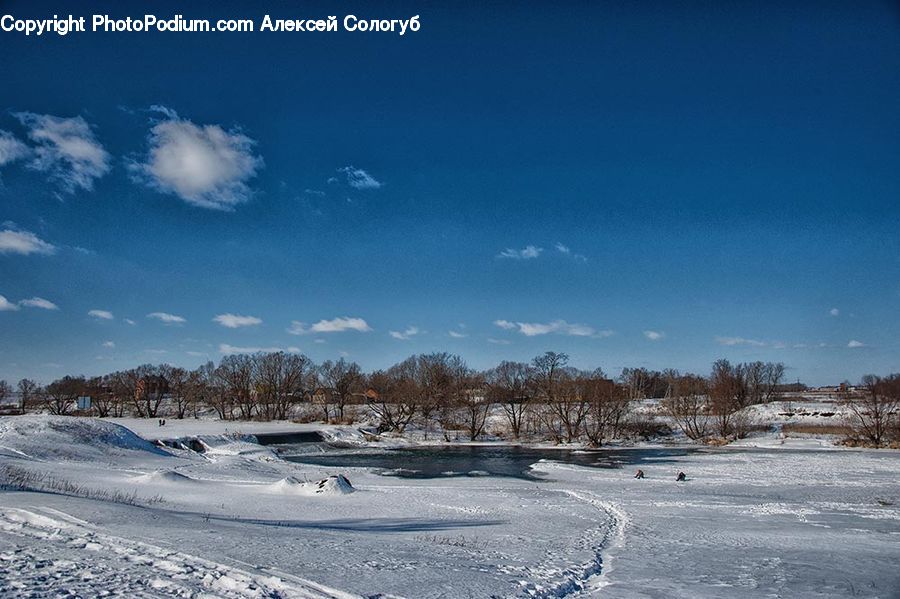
(236, 374)
(215, 391)
(875, 411)
(151, 385)
(509, 385)
(774, 374)
(394, 395)
(468, 392)
(688, 405)
(729, 395)
(608, 406)
(28, 390)
(282, 380)
(343, 379)
(5, 391)
(60, 395)
(551, 379)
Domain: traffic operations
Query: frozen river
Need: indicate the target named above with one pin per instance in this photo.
(473, 460)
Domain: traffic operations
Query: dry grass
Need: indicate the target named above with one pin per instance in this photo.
(817, 429)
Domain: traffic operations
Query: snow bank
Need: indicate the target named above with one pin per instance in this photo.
(44, 437)
(163, 476)
(333, 485)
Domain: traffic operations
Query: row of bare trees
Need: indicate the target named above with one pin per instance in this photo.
(545, 397)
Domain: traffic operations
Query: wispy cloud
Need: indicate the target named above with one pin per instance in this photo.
(7, 306)
(406, 334)
(167, 318)
(11, 149)
(233, 321)
(24, 243)
(226, 349)
(735, 341)
(335, 325)
(527, 253)
(357, 178)
(856, 344)
(498, 341)
(66, 149)
(654, 335)
(559, 327)
(109, 344)
(567, 251)
(39, 302)
(457, 334)
(101, 314)
(205, 166)
(834, 312)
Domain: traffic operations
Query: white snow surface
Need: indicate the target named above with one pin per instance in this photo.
(237, 521)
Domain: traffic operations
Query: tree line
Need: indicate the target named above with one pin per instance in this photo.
(437, 392)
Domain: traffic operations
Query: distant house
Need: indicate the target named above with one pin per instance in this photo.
(151, 386)
(323, 395)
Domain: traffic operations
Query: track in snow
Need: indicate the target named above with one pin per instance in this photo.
(581, 580)
(71, 558)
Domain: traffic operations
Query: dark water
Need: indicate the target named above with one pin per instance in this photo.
(473, 461)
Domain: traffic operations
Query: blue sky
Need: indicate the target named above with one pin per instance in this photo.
(636, 184)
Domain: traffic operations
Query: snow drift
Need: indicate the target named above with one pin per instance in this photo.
(44, 437)
(163, 476)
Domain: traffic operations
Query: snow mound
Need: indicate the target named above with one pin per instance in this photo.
(167, 476)
(333, 485)
(44, 437)
(343, 437)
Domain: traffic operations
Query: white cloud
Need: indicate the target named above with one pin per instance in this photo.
(66, 149)
(11, 149)
(567, 251)
(206, 166)
(733, 341)
(526, 253)
(457, 334)
(101, 314)
(405, 335)
(233, 321)
(109, 344)
(854, 344)
(654, 335)
(498, 341)
(834, 312)
(129, 321)
(167, 318)
(225, 348)
(7, 306)
(359, 179)
(39, 302)
(335, 325)
(560, 327)
(24, 243)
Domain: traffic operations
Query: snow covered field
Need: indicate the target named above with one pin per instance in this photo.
(119, 516)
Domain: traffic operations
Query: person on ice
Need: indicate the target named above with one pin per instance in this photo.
(681, 477)
(639, 473)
